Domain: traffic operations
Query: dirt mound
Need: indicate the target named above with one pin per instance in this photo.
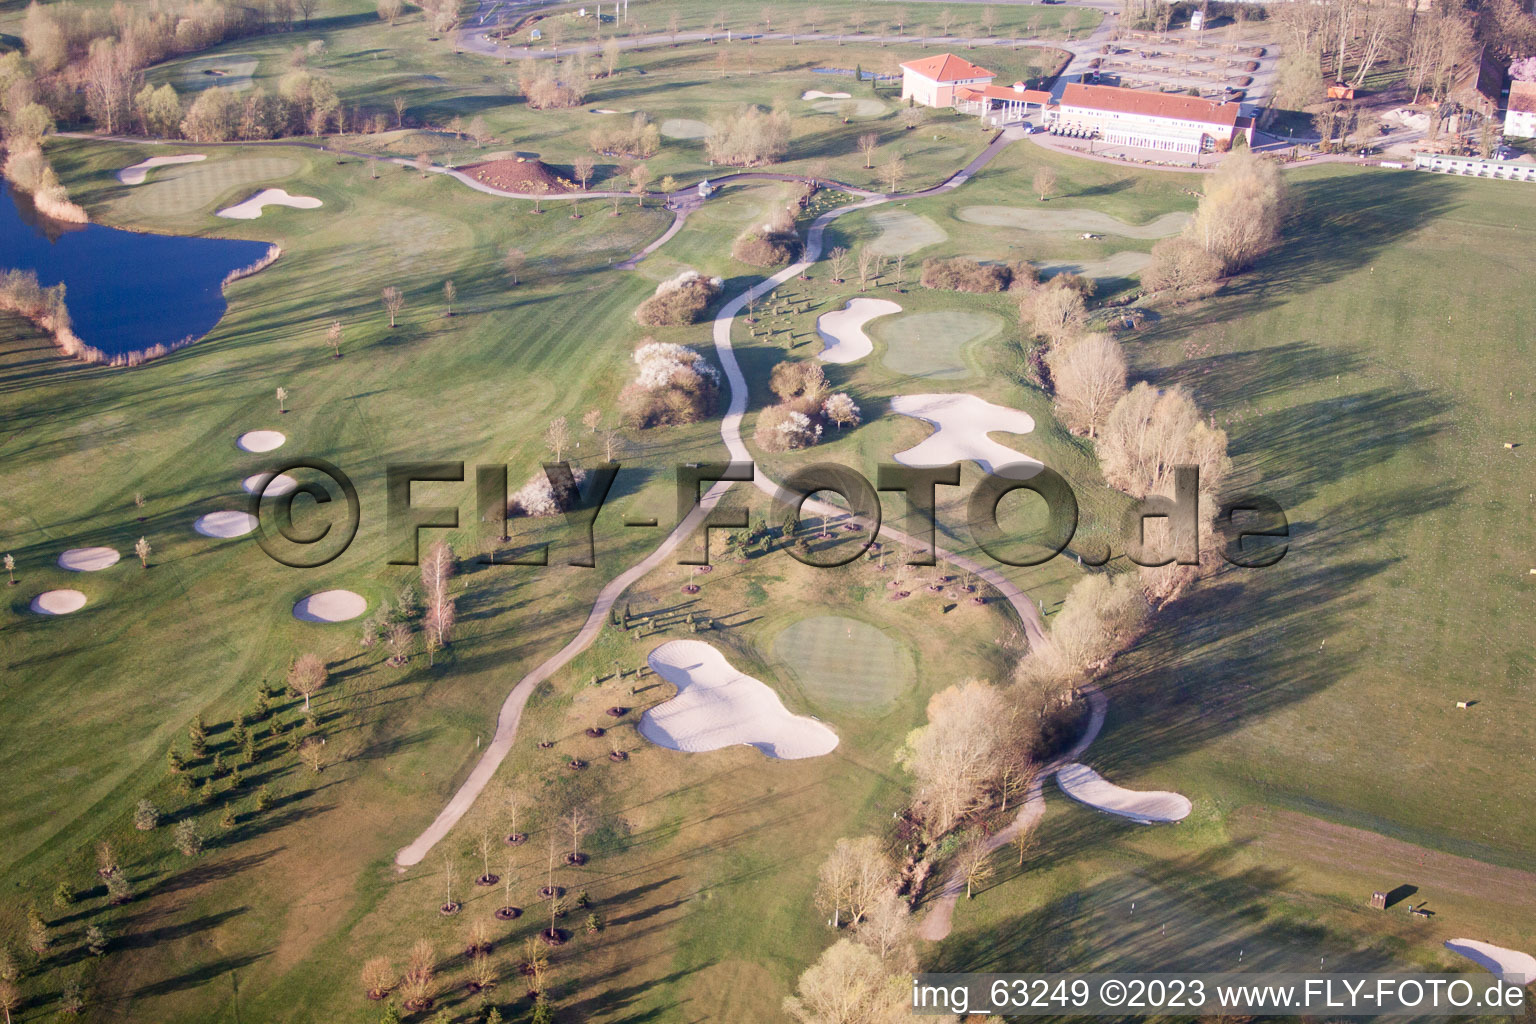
(520, 176)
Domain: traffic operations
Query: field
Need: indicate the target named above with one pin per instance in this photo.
(1369, 373)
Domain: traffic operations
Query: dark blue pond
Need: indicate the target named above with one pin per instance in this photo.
(125, 291)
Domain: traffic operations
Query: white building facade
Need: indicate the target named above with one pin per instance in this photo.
(1147, 120)
(1520, 118)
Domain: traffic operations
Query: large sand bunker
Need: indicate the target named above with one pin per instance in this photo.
(817, 94)
(684, 128)
(330, 606)
(88, 559)
(260, 441)
(961, 425)
(842, 332)
(933, 344)
(1516, 966)
(1121, 264)
(135, 174)
(225, 524)
(1032, 218)
(903, 233)
(717, 706)
(252, 207)
(58, 602)
(269, 486)
(1087, 786)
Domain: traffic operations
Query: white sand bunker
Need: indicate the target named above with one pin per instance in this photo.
(252, 207)
(902, 233)
(260, 441)
(136, 174)
(1087, 786)
(225, 524)
(842, 332)
(1516, 966)
(88, 559)
(961, 425)
(1121, 264)
(717, 706)
(267, 485)
(684, 128)
(330, 606)
(58, 602)
(817, 94)
(859, 108)
(1042, 218)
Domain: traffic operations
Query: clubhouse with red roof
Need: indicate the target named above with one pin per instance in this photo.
(1168, 122)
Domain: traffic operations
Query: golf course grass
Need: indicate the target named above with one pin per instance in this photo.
(934, 345)
(1369, 373)
(844, 661)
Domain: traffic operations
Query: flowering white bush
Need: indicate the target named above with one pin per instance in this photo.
(663, 364)
(688, 277)
(537, 497)
(796, 430)
(841, 409)
(1523, 70)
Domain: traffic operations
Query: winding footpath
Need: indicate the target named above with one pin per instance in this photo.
(936, 925)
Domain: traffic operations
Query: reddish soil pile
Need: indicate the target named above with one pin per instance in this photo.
(520, 176)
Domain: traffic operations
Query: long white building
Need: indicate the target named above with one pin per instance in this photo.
(1149, 120)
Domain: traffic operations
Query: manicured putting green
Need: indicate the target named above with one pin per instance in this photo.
(903, 233)
(1121, 264)
(184, 189)
(844, 661)
(932, 345)
(684, 128)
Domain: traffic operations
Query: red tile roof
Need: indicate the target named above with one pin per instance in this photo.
(1149, 104)
(946, 67)
(1522, 97)
(1002, 92)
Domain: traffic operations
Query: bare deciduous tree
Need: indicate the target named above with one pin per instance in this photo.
(975, 864)
(394, 301)
(582, 167)
(893, 170)
(577, 822)
(1088, 377)
(307, 676)
(1045, 182)
(1055, 314)
(614, 445)
(378, 977)
(868, 143)
(142, 549)
(838, 260)
(1239, 217)
(592, 419)
(854, 876)
(513, 260)
(954, 756)
(866, 265)
(450, 294)
(849, 982)
(333, 338)
(557, 437)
